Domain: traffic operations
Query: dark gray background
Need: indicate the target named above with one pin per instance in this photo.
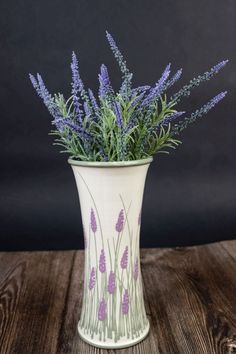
(190, 195)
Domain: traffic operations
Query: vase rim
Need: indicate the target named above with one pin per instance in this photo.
(110, 163)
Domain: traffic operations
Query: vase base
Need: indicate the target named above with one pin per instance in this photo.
(124, 343)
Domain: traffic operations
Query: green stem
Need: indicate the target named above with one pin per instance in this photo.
(95, 206)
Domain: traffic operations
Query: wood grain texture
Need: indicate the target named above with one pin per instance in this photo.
(190, 297)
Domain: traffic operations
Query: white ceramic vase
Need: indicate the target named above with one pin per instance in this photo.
(113, 313)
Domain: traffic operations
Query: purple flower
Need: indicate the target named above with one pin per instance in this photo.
(35, 84)
(125, 303)
(170, 117)
(140, 89)
(173, 80)
(93, 222)
(136, 266)
(160, 84)
(87, 110)
(48, 100)
(103, 154)
(43, 93)
(198, 113)
(186, 90)
(77, 86)
(120, 221)
(125, 89)
(127, 75)
(111, 287)
(102, 310)
(137, 100)
(105, 84)
(74, 127)
(124, 259)
(118, 113)
(158, 89)
(213, 102)
(117, 54)
(93, 100)
(102, 262)
(92, 279)
(219, 66)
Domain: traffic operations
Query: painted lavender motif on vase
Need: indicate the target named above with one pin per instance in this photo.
(113, 307)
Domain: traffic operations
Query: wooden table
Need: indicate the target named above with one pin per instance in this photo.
(190, 296)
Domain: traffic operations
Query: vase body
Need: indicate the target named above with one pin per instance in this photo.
(113, 313)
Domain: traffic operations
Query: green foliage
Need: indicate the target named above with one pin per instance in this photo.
(138, 140)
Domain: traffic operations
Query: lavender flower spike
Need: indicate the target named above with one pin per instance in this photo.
(124, 259)
(74, 127)
(127, 75)
(102, 262)
(102, 310)
(186, 90)
(93, 222)
(35, 84)
(214, 101)
(198, 113)
(44, 94)
(118, 113)
(77, 86)
(87, 110)
(118, 55)
(170, 117)
(173, 80)
(120, 221)
(92, 279)
(219, 66)
(105, 84)
(136, 100)
(48, 100)
(93, 100)
(159, 87)
(111, 287)
(125, 303)
(140, 89)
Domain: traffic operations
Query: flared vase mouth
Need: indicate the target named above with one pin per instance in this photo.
(111, 163)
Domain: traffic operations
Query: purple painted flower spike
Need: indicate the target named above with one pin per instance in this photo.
(102, 310)
(102, 262)
(136, 269)
(124, 259)
(93, 222)
(125, 303)
(111, 287)
(120, 221)
(92, 279)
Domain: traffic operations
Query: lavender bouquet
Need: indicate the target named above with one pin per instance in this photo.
(131, 124)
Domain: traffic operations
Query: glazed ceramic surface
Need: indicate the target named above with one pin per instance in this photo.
(113, 313)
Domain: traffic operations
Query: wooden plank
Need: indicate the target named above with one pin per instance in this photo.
(32, 299)
(189, 294)
(230, 247)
